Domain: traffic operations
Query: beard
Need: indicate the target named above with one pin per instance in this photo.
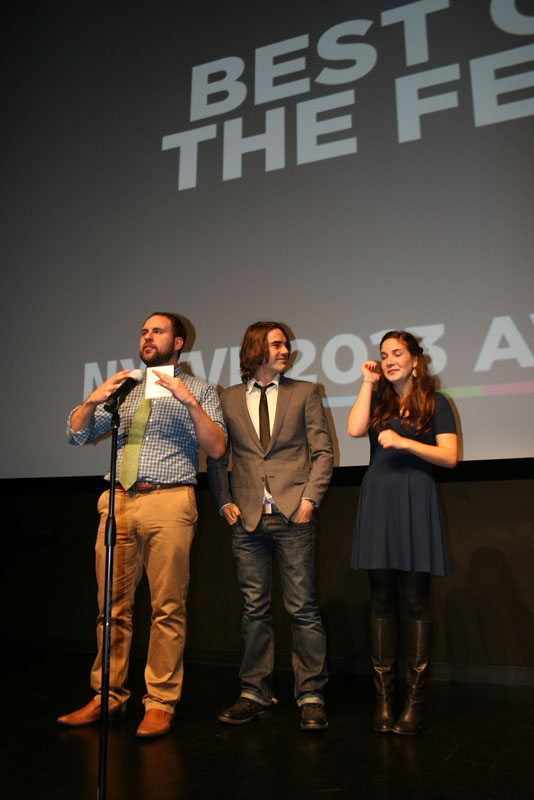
(156, 358)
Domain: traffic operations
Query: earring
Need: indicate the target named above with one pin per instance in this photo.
(414, 373)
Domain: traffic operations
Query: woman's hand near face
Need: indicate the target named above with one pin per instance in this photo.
(370, 371)
(360, 413)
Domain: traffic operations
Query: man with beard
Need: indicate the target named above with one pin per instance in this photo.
(155, 512)
(282, 461)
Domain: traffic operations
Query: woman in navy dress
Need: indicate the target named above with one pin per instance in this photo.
(399, 537)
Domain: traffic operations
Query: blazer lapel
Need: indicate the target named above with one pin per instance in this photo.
(244, 415)
(284, 394)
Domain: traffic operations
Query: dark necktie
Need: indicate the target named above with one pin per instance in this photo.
(265, 429)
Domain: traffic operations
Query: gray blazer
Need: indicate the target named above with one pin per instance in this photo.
(298, 461)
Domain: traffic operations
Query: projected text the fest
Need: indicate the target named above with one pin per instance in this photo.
(327, 125)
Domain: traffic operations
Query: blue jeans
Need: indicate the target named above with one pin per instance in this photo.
(294, 546)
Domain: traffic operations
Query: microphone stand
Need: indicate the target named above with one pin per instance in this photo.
(110, 539)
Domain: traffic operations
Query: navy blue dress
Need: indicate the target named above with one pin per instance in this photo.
(399, 524)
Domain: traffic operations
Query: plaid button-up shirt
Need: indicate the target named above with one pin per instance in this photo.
(169, 453)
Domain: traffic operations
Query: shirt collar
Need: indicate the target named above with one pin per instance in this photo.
(251, 383)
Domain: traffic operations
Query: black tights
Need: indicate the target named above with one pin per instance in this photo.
(414, 590)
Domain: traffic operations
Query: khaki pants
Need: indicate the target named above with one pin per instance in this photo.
(155, 530)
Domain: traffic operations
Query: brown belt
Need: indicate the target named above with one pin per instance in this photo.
(139, 486)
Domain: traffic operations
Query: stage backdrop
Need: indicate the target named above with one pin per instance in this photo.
(342, 167)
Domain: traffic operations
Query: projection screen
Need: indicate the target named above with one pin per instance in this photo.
(342, 167)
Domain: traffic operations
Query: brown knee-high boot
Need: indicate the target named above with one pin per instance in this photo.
(383, 661)
(418, 631)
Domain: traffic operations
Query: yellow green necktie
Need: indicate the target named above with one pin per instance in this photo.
(132, 448)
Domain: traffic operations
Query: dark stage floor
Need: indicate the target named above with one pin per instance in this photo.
(478, 743)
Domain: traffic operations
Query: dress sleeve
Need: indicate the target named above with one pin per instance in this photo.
(444, 421)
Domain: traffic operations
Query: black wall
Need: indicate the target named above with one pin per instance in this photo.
(483, 610)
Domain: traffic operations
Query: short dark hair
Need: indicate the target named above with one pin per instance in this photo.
(254, 347)
(178, 327)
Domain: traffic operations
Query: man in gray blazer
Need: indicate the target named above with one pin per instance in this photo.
(282, 462)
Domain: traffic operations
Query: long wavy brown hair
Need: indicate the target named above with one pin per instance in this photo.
(254, 348)
(417, 409)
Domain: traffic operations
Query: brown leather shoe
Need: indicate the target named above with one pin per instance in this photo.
(88, 715)
(155, 723)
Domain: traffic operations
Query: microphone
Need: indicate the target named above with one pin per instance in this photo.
(116, 398)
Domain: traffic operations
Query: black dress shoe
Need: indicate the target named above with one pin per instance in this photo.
(313, 717)
(244, 711)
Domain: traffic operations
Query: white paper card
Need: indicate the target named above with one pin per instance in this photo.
(152, 388)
